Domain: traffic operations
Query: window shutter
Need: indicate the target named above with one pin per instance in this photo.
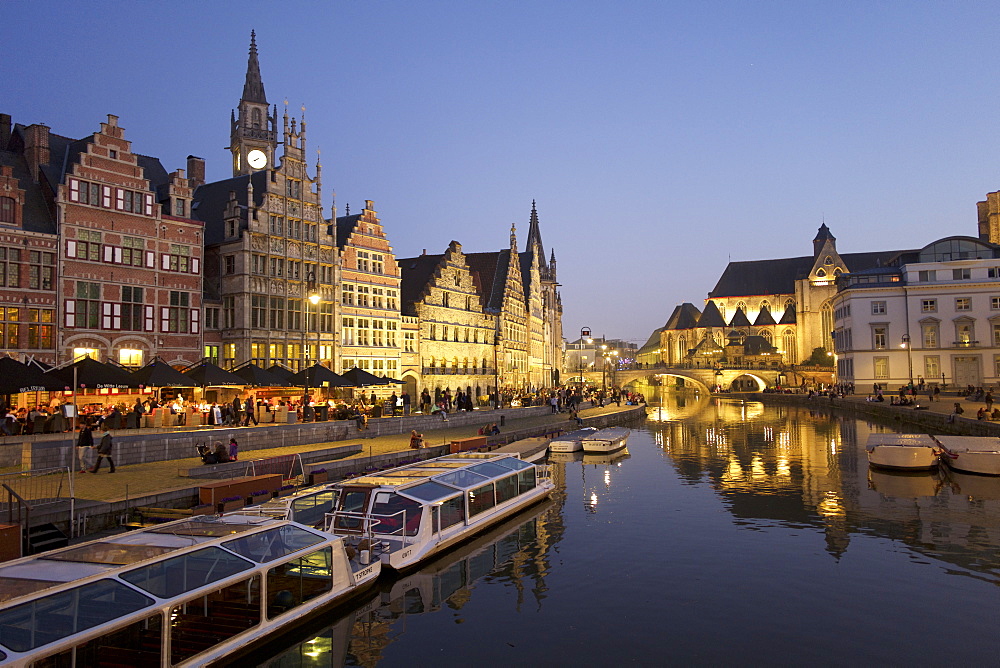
(71, 313)
(165, 261)
(150, 259)
(108, 253)
(148, 325)
(118, 254)
(105, 315)
(164, 319)
(116, 316)
(74, 190)
(194, 265)
(106, 196)
(149, 205)
(119, 199)
(70, 248)
(195, 317)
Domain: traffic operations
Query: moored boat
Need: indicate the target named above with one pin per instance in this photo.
(972, 454)
(416, 511)
(903, 452)
(572, 441)
(606, 440)
(183, 593)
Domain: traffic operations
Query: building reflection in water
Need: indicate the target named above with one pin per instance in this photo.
(798, 467)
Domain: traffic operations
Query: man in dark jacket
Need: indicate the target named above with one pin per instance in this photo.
(104, 451)
(251, 410)
(237, 407)
(83, 445)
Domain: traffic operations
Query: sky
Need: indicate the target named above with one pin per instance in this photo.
(660, 140)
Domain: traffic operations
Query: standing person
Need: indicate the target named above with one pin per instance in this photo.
(989, 400)
(425, 401)
(554, 403)
(406, 402)
(237, 408)
(234, 448)
(83, 444)
(104, 451)
(251, 410)
(392, 404)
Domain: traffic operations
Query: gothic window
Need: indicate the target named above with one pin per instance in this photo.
(821, 272)
(826, 318)
(788, 343)
(828, 260)
(767, 336)
(741, 305)
(256, 118)
(790, 303)
(764, 304)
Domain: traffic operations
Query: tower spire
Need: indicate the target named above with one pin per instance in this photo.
(253, 89)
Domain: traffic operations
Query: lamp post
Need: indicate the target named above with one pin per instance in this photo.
(909, 356)
(313, 299)
(498, 401)
(604, 367)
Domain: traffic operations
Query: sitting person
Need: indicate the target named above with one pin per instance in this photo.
(416, 440)
(494, 430)
(221, 452)
(981, 413)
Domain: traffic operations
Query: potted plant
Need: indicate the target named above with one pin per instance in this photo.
(318, 476)
(285, 490)
(258, 497)
(230, 503)
(203, 509)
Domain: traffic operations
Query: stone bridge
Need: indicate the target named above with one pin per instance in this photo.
(749, 379)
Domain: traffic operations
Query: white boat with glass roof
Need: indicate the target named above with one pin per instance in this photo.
(421, 509)
(185, 593)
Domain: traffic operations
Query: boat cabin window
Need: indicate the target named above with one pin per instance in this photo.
(428, 491)
(506, 488)
(138, 644)
(273, 544)
(312, 509)
(351, 501)
(481, 499)
(526, 479)
(463, 479)
(452, 512)
(186, 572)
(489, 469)
(204, 622)
(394, 512)
(514, 464)
(56, 616)
(293, 583)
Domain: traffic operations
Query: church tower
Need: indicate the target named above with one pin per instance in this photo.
(252, 138)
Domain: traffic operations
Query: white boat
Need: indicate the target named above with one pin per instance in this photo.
(571, 442)
(421, 509)
(184, 593)
(902, 451)
(972, 454)
(606, 440)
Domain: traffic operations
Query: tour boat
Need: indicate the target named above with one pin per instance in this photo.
(570, 442)
(421, 509)
(902, 451)
(183, 593)
(972, 454)
(606, 440)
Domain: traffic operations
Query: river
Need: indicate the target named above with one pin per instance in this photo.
(730, 533)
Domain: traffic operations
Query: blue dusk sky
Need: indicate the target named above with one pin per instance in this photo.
(660, 139)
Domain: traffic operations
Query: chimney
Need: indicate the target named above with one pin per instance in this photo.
(36, 148)
(196, 171)
(425, 252)
(5, 125)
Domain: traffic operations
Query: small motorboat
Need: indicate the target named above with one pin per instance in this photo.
(972, 454)
(904, 452)
(606, 440)
(571, 442)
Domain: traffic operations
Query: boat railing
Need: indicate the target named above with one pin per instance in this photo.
(543, 471)
(393, 525)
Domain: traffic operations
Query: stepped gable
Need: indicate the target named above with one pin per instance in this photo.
(788, 317)
(777, 277)
(740, 319)
(684, 316)
(764, 318)
(345, 227)
(711, 316)
(415, 274)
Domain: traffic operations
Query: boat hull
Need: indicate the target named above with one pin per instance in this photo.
(606, 440)
(982, 463)
(903, 458)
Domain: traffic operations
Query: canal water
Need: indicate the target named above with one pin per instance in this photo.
(729, 533)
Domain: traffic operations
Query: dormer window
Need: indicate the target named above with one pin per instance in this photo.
(821, 272)
(179, 207)
(8, 210)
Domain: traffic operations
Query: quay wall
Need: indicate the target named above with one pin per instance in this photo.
(930, 421)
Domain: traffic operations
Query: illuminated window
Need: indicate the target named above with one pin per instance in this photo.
(85, 352)
(130, 357)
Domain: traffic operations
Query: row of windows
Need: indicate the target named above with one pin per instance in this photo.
(280, 313)
(294, 229)
(96, 194)
(465, 366)
(465, 334)
(88, 246)
(366, 296)
(368, 332)
(960, 274)
(40, 328)
(131, 313)
(452, 301)
(291, 355)
(371, 262)
(37, 273)
(374, 365)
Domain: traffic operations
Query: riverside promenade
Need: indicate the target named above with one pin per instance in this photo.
(104, 499)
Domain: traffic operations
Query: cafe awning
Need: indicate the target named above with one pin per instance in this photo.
(16, 377)
(317, 375)
(258, 377)
(94, 375)
(160, 374)
(281, 372)
(206, 374)
(360, 378)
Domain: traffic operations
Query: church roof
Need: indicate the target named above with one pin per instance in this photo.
(253, 88)
(535, 234)
(788, 317)
(740, 319)
(764, 318)
(756, 345)
(824, 234)
(653, 342)
(778, 276)
(684, 316)
(711, 316)
(415, 274)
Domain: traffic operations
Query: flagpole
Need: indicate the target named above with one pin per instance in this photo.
(73, 457)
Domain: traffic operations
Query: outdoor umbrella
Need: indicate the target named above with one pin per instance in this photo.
(160, 374)
(254, 375)
(94, 375)
(360, 378)
(317, 375)
(206, 374)
(281, 372)
(16, 377)
(390, 381)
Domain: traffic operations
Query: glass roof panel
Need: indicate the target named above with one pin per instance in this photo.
(50, 618)
(203, 528)
(513, 463)
(11, 588)
(470, 455)
(490, 469)
(408, 473)
(179, 574)
(429, 491)
(463, 479)
(273, 544)
(118, 554)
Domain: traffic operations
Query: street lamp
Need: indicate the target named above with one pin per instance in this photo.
(604, 367)
(498, 401)
(313, 299)
(909, 356)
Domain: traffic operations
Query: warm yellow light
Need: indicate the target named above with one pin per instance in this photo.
(84, 352)
(314, 298)
(129, 357)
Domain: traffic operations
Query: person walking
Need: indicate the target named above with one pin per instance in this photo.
(251, 410)
(405, 397)
(104, 452)
(392, 404)
(237, 408)
(83, 445)
(425, 401)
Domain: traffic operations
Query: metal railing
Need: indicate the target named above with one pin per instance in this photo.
(289, 466)
(37, 487)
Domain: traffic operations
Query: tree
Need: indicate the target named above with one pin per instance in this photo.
(820, 357)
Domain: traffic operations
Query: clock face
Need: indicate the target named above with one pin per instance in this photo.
(257, 159)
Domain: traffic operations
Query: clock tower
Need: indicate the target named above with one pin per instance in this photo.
(253, 131)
